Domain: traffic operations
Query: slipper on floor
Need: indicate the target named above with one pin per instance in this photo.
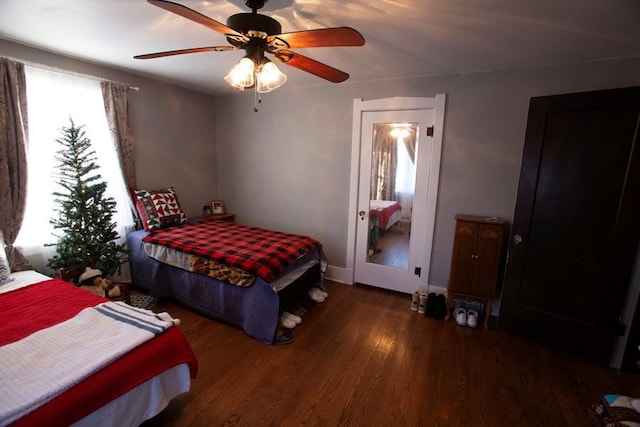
(321, 292)
(315, 295)
(283, 336)
(299, 310)
(287, 322)
(295, 318)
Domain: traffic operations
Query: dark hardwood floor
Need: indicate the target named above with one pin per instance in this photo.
(362, 358)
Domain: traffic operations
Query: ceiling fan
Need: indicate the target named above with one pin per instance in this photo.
(258, 34)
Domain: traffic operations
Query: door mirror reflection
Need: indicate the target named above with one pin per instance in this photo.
(393, 175)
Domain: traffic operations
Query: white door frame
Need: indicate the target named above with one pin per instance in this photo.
(360, 106)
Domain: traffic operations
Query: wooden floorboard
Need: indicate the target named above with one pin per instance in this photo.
(362, 358)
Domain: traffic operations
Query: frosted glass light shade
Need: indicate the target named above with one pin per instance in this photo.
(270, 77)
(241, 75)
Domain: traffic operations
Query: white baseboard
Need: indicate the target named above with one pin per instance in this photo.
(345, 275)
(339, 274)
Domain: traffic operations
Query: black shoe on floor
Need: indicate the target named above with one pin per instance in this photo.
(430, 310)
(440, 311)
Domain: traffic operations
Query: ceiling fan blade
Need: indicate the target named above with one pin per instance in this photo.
(191, 14)
(324, 37)
(183, 51)
(310, 66)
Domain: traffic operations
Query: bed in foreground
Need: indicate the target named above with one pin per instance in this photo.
(229, 272)
(72, 357)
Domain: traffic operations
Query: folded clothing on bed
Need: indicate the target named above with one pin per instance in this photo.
(201, 265)
(262, 252)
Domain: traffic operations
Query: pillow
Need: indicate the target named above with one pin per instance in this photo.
(159, 209)
(5, 270)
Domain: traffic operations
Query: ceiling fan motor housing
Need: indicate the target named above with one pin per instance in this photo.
(255, 4)
(245, 22)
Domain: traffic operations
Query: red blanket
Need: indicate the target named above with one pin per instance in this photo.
(384, 215)
(38, 306)
(264, 253)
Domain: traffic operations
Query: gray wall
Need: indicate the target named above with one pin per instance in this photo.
(287, 166)
(174, 128)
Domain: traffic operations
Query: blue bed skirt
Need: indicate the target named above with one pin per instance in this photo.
(255, 309)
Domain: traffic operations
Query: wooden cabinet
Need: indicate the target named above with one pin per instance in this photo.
(476, 260)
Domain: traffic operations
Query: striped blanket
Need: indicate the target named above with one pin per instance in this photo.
(261, 252)
(70, 351)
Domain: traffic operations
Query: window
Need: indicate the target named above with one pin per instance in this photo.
(52, 98)
(405, 170)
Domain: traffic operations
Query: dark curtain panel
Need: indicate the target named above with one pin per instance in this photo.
(116, 106)
(383, 164)
(13, 156)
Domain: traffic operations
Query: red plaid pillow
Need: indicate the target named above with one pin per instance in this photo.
(159, 209)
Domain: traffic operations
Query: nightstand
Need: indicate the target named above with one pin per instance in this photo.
(230, 217)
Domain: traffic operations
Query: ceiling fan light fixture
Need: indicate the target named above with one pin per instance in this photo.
(258, 34)
(241, 75)
(269, 77)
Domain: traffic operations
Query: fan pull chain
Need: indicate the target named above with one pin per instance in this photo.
(256, 96)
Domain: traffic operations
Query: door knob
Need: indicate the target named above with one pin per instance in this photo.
(517, 239)
(362, 214)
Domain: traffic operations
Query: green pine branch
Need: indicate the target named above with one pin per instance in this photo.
(83, 220)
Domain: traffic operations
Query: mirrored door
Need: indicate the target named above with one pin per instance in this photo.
(392, 188)
(394, 174)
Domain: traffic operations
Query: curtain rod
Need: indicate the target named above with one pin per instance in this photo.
(68, 72)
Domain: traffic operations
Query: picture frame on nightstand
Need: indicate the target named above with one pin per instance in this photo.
(217, 207)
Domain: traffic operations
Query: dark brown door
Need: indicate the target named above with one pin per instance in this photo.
(577, 221)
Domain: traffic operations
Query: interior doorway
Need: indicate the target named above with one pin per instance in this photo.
(575, 228)
(396, 147)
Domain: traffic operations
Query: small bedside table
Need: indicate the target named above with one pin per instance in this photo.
(230, 217)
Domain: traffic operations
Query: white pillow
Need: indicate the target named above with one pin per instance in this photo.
(5, 270)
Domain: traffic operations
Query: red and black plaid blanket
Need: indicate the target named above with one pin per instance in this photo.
(264, 253)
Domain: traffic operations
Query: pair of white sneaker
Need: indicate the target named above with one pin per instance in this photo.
(466, 317)
(290, 320)
(318, 295)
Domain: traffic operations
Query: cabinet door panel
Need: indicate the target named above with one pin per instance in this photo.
(488, 250)
(463, 256)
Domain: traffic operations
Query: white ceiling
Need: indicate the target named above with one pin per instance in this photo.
(404, 38)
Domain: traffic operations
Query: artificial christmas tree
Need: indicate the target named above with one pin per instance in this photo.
(84, 222)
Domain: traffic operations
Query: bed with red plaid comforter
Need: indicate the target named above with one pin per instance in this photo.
(292, 260)
(264, 253)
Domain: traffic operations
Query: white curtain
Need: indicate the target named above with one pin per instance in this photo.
(405, 178)
(52, 98)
